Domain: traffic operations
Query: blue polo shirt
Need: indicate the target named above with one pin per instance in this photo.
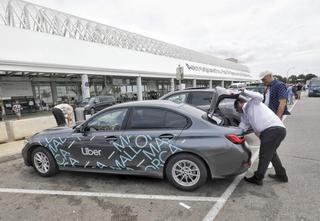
(278, 91)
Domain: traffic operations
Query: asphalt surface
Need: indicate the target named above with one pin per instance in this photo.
(297, 200)
(300, 153)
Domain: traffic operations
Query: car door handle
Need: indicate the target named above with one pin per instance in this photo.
(166, 136)
(111, 138)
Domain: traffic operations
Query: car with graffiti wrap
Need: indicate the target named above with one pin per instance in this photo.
(156, 138)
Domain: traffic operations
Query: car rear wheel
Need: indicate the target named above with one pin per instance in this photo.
(43, 162)
(186, 172)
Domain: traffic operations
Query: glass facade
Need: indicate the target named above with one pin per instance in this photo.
(45, 92)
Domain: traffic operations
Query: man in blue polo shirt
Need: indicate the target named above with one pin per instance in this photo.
(275, 96)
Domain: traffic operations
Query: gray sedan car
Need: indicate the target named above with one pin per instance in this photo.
(152, 138)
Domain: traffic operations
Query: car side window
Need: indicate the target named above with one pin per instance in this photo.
(179, 98)
(199, 98)
(175, 121)
(153, 118)
(108, 121)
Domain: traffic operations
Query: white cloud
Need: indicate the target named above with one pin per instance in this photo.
(273, 35)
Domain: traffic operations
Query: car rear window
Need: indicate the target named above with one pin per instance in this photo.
(199, 98)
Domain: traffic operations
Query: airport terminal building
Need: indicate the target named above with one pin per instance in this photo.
(49, 56)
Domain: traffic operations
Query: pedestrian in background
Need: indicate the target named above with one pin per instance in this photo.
(271, 131)
(290, 95)
(63, 113)
(17, 110)
(275, 96)
(299, 89)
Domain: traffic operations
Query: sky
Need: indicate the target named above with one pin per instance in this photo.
(282, 36)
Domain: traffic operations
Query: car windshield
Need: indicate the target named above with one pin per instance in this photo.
(107, 99)
(84, 102)
(91, 101)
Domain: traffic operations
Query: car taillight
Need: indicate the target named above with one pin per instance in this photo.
(236, 139)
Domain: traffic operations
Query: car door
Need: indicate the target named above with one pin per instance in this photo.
(149, 139)
(97, 136)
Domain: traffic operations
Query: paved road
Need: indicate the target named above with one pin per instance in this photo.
(297, 200)
(300, 198)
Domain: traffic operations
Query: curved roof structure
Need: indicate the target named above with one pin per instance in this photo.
(25, 15)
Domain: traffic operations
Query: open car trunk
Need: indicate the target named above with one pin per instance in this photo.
(222, 111)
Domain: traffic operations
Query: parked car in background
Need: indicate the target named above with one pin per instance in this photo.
(95, 104)
(157, 138)
(257, 87)
(205, 98)
(314, 87)
(234, 87)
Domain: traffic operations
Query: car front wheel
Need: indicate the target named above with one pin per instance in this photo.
(43, 162)
(186, 172)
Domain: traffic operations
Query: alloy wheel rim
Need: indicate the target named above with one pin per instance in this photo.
(186, 173)
(41, 162)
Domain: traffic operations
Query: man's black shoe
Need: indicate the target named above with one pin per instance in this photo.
(254, 180)
(282, 178)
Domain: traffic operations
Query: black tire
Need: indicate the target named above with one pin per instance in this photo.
(185, 157)
(52, 165)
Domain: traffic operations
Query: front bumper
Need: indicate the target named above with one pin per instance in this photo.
(25, 154)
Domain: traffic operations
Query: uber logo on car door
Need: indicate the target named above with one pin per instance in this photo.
(90, 152)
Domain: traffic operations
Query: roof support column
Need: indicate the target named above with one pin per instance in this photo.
(139, 88)
(210, 83)
(172, 84)
(85, 86)
(194, 83)
(222, 83)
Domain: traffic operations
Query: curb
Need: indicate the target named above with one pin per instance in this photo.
(10, 157)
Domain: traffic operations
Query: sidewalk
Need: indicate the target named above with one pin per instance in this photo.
(11, 150)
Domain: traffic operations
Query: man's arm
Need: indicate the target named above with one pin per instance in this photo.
(282, 96)
(281, 108)
(255, 96)
(244, 124)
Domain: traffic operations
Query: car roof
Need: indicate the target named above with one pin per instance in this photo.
(149, 103)
(183, 108)
(218, 89)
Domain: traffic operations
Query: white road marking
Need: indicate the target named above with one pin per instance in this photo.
(185, 205)
(254, 147)
(92, 138)
(225, 196)
(71, 144)
(219, 205)
(86, 164)
(140, 163)
(111, 195)
(111, 155)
